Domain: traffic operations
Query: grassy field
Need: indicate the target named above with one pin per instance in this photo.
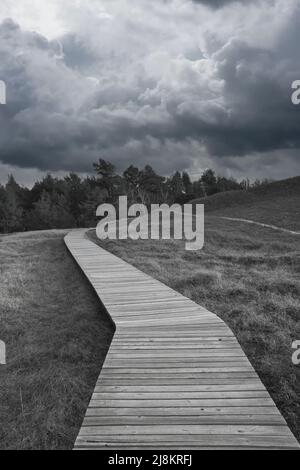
(57, 337)
(250, 277)
(276, 204)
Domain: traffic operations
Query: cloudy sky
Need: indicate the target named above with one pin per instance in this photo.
(178, 84)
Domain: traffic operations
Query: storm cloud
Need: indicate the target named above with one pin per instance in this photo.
(176, 84)
(218, 3)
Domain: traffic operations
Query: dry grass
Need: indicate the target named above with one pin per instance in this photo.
(275, 204)
(57, 338)
(250, 277)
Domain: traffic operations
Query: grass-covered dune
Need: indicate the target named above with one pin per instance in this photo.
(250, 277)
(57, 337)
(277, 204)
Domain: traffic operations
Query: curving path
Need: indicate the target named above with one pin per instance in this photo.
(175, 376)
(247, 221)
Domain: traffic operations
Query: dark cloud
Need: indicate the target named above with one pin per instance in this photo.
(256, 114)
(76, 53)
(168, 101)
(219, 3)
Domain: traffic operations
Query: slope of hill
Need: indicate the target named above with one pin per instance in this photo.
(277, 203)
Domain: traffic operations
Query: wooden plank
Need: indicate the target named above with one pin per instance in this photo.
(195, 411)
(169, 376)
(175, 361)
(179, 403)
(187, 441)
(192, 430)
(180, 388)
(161, 347)
(177, 341)
(168, 395)
(175, 376)
(258, 419)
(196, 365)
(129, 381)
(167, 354)
(210, 369)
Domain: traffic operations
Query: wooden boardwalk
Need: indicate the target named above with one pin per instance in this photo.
(175, 376)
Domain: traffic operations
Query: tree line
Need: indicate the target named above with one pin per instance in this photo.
(72, 201)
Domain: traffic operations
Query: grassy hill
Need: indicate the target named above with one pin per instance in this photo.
(277, 204)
